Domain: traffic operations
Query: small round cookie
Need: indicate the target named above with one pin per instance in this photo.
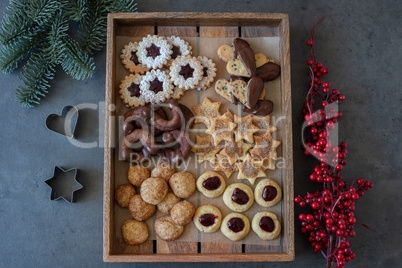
(166, 229)
(182, 184)
(156, 87)
(130, 60)
(225, 53)
(163, 170)
(266, 225)
(179, 46)
(182, 212)
(267, 193)
(134, 232)
(139, 209)
(211, 184)
(186, 72)
(235, 226)
(209, 72)
(154, 190)
(154, 51)
(238, 197)
(130, 91)
(137, 174)
(167, 203)
(123, 194)
(207, 219)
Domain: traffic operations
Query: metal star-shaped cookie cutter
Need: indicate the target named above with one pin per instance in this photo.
(64, 184)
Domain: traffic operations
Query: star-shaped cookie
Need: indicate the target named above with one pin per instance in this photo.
(264, 125)
(224, 165)
(229, 115)
(205, 149)
(245, 128)
(265, 147)
(250, 169)
(268, 164)
(221, 129)
(235, 150)
(206, 111)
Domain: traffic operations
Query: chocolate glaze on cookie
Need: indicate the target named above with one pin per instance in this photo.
(255, 88)
(239, 44)
(263, 107)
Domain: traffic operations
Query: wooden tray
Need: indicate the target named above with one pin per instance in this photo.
(197, 25)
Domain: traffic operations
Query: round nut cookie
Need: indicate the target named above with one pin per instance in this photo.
(156, 87)
(209, 72)
(130, 91)
(182, 212)
(211, 184)
(163, 170)
(137, 175)
(186, 72)
(182, 184)
(139, 209)
(134, 232)
(154, 190)
(154, 51)
(166, 229)
(130, 60)
(266, 225)
(235, 226)
(179, 47)
(166, 205)
(123, 194)
(267, 193)
(207, 219)
(238, 197)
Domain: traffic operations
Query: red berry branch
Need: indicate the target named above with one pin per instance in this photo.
(332, 220)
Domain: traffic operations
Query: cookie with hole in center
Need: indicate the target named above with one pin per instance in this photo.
(209, 72)
(156, 87)
(130, 91)
(130, 60)
(154, 51)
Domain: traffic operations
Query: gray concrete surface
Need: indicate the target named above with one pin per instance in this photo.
(359, 41)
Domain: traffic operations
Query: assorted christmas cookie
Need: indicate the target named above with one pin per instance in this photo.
(250, 169)
(182, 213)
(223, 165)
(186, 72)
(154, 190)
(265, 147)
(130, 60)
(139, 209)
(266, 225)
(134, 232)
(130, 91)
(235, 151)
(137, 174)
(207, 219)
(182, 184)
(167, 203)
(123, 194)
(235, 226)
(154, 51)
(166, 229)
(221, 129)
(205, 111)
(238, 197)
(163, 170)
(156, 87)
(205, 149)
(211, 184)
(180, 47)
(267, 193)
(264, 125)
(209, 72)
(245, 128)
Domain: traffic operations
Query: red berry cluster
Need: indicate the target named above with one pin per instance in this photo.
(332, 220)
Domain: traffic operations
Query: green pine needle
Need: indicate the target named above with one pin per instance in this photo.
(75, 9)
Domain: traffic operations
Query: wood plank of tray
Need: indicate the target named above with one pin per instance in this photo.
(177, 246)
(213, 247)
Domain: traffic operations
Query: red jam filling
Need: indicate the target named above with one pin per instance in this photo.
(134, 90)
(207, 219)
(153, 51)
(156, 86)
(239, 196)
(212, 183)
(186, 71)
(134, 58)
(269, 193)
(176, 52)
(236, 224)
(267, 224)
(205, 70)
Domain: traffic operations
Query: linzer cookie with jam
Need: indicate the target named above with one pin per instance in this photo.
(154, 51)
(156, 87)
(130, 91)
(209, 72)
(180, 47)
(186, 72)
(130, 60)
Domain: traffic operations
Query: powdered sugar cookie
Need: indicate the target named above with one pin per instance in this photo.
(180, 47)
(209, 72)
(130, 60)
(154, 51)
(130, 91)
(156, 87)
(186, 72)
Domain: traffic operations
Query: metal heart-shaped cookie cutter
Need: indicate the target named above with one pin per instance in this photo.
(58, 123)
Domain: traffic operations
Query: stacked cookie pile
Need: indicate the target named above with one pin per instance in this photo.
(163, 68)
(156, 194)
(248, 144)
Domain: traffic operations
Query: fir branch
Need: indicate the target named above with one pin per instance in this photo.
(122, 6)
(75, 9)
(39, 10)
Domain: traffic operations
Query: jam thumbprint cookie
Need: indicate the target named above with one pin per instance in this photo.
(238, 197)
(266, 225)
(235, 226)
(267, 193)
(211, 184)
(154, 51)
(207, 219)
